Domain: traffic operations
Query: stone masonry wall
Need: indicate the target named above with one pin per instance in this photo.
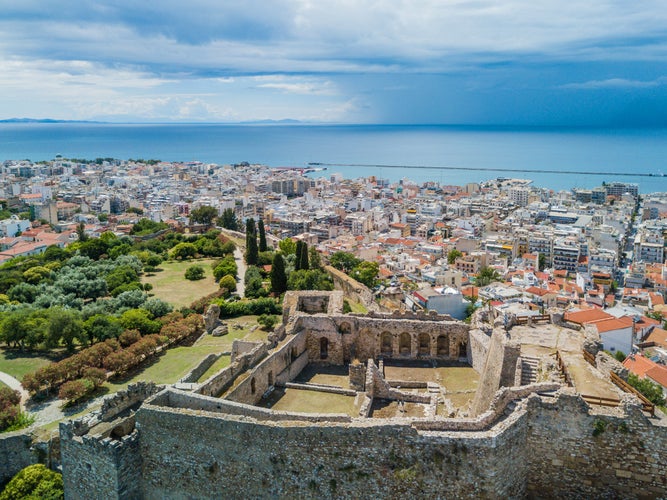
(275, 368)
(363, 337)
(587, 455)
(352, 288)
(100, 469)
(499, 370)
(200, 369)
(15, 454)
(200, 456)
(478, 349)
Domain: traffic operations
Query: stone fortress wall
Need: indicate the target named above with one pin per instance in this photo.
(545, 447)
(521, 441)
(15, 453)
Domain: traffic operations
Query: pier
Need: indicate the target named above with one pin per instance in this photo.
(488, 169)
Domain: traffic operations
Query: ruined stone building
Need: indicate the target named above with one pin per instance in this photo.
(403, 423)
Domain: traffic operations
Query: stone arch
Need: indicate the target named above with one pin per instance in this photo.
(424, 344)
(405, 343)
(463, 349)
(386, 344)
(345, 328)
(293, 354)
(253, 386)
(324, 348)
(443, 345)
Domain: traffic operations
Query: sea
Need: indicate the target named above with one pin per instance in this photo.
(554, 158)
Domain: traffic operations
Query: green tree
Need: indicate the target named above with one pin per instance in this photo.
(303, 257)
(203, 215)
(140, 319)
(33, 482)
(344, 261)
(81, 232)
(251, 250)
(366, 273)
(224, 267)
(452, 255)
(36, 274)
(228, 220)
(194, 273)
(486, 276)
(102, 326)
(65, 325)
(254, 285)
(314, 258)
(312, 279)
(298, 252)
(287, 246)
(262, 236)
(651, 390)
(541, 261)
(278, 276)
(183, 251)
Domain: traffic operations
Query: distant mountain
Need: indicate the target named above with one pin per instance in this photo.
(286, 121)
(42, 120)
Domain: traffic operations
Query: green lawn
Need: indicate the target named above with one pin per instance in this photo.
(18, 363)
(178, 361)
(221, 363)
(170, 284)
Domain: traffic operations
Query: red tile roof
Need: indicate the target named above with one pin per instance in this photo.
(587, 316)
(639, 365)
(658, 374)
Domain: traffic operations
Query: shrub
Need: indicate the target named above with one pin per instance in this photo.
(129, 337)
(268, 321)
(228, 282)
(120, 361)
(194, 273)
(35, 481)
(95, 375)
(74, 390)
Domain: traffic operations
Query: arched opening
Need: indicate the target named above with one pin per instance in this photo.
(324, 348)
(386, 344)
(405, 343)
(270, 379)
(443, 346)
(463, 350)
(293, 354)
(344, 328)
(424, 344)
(253, 386)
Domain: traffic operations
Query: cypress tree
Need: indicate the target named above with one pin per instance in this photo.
(297, 261)
(262, 236)
(278, 276)
(251, 251)
(303, 257)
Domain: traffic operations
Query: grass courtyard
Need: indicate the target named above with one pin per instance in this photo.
(170, 285)
(17, 363)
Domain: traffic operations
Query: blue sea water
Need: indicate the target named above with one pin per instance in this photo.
(608, 151)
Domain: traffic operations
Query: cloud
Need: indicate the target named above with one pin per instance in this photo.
(618, 83)
(257, 36)
(226, 60)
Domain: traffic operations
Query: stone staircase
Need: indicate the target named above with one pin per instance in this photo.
(529, 369)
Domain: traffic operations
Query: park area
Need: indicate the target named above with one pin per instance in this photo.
(170, 285)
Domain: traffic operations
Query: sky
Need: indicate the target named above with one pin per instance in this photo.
(600, 63)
